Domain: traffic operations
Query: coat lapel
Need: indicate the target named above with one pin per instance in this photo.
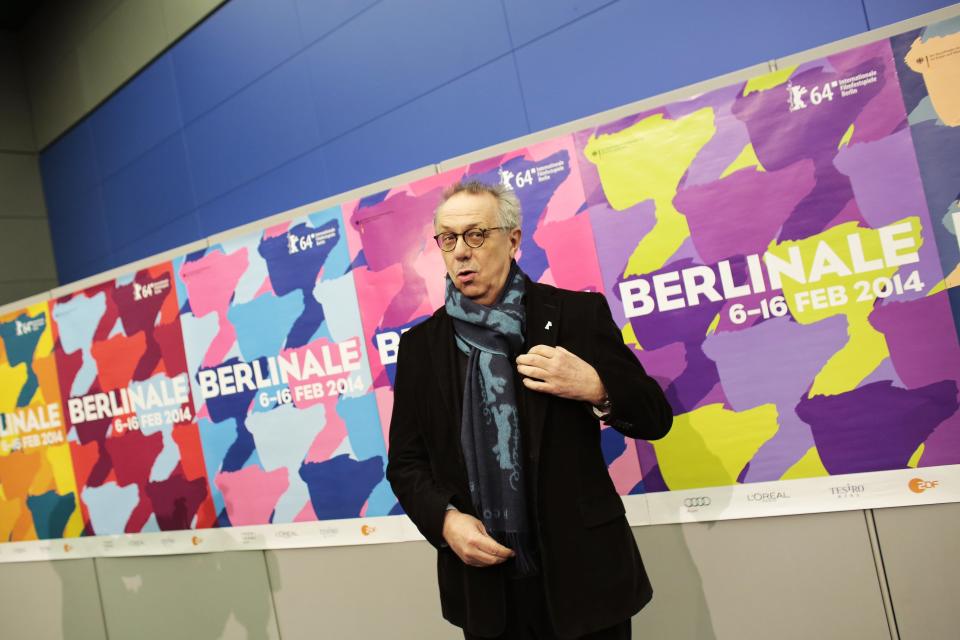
(445, 364)
(447, 432)
(543, 323)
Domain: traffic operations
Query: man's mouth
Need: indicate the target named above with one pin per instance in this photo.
(465, 276)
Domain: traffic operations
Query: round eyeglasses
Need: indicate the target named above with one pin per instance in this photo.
(474, 238)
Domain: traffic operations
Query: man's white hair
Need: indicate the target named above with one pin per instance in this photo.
(509, 215)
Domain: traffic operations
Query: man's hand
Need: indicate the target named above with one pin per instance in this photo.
(470, 541)
(559, 372)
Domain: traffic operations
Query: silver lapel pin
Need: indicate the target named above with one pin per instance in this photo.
(549, 324)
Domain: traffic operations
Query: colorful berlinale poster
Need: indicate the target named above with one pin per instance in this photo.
(928, 65)
(126, 398)
(399, 268)
(38, 492)
(279, 369)
(400, 271)
(768, 250)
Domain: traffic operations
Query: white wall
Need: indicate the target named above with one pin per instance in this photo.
(810, 576)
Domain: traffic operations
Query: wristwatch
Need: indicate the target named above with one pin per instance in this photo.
(604, 408)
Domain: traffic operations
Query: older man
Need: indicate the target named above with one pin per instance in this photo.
(495, 438)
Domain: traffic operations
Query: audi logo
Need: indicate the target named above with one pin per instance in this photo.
(700, 501)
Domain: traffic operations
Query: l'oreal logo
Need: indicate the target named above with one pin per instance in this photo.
(767, 496)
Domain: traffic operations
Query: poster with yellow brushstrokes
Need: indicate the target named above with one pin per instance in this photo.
(768, 251)
(37, 484)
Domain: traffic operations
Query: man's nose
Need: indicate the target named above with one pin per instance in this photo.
(461, 249)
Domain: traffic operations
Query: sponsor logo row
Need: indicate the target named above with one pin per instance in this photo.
(181, 541)
(343, 533)
(851, 490)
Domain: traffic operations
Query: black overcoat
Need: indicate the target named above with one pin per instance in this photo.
(592, 571)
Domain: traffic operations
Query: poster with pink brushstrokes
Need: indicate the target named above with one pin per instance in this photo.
(278, 365)
(400, 273)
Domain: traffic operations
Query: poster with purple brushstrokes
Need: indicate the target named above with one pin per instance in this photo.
(768, 250)
(278, 364)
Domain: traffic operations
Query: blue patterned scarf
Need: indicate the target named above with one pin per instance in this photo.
(490, 426)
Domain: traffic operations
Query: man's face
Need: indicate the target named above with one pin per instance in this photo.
(480, 274)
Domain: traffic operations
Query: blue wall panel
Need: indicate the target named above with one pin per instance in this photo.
(476, 111)
(632, 50)
(239, 43)
(149, 193)
(69, 168)
(266, 124)
(290, 185)
(318, 19)
(883, 12)
(397, 51)
(173, 233)
(71, 186)
(269, 104)
(137, 118)
(529, 20)
(777, 29)
(79, 234)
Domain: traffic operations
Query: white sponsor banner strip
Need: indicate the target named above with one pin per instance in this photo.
(928, 485)
(351, 531)
(874, 490)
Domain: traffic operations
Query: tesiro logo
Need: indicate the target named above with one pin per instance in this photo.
(848, 491)
(31, 326)
(143, 291)
(795, 97)
(919, 485)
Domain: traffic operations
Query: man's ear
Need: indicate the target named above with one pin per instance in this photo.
(515, 235)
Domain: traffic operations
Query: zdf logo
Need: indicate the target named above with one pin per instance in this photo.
(919, 485)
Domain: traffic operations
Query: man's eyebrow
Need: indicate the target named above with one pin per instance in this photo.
(446, 229)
